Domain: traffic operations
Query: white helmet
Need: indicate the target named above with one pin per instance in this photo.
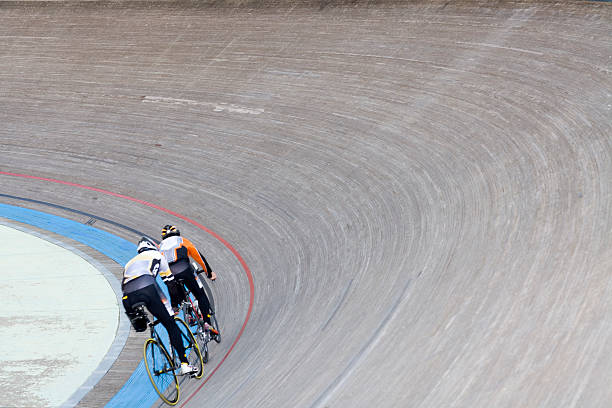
(145, 244)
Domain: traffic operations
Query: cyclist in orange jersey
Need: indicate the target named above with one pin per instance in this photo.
(179, 251)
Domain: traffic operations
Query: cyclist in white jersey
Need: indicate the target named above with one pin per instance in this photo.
(139, 285)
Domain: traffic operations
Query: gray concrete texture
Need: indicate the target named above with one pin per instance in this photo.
(422, 190)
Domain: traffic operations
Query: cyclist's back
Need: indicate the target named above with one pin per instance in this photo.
(142, 269)
(178, 251)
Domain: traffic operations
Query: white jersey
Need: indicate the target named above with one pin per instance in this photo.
(146, 263)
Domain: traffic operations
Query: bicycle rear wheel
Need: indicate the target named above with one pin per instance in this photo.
(192, 349)
(196, 325)
(161, 372)
(204, 350)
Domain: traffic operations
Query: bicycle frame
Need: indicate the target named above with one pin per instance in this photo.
(163, 362)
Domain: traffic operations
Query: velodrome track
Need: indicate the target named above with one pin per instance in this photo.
(420, 191)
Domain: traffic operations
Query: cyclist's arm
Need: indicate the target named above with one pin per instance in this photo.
(165, 272)
(195, 254)
(164, 268)
(208, 268)
(123, 280)
(209, 272)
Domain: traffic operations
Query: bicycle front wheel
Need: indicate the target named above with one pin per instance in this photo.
(161, 372)
(192, 349)
(215, 324)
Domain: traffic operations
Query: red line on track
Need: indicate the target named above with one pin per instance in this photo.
(190, 221)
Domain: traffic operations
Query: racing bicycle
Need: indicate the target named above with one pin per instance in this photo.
(162, 362)
(195, 321)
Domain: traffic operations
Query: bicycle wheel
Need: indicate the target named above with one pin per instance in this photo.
(213, 321)
(192, 349)
(161, 372)
(204, 348)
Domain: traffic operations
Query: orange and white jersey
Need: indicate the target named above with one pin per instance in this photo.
(146, 263)
(178, 251)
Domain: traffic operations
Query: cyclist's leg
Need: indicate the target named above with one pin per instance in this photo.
(176, 292)
(128, 300)
(160, 307)
(139, 323)
(196, 287)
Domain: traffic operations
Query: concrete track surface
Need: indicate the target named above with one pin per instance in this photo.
(422, 190)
